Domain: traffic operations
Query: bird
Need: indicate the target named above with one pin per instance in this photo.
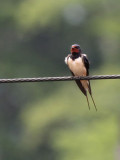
(79, 65)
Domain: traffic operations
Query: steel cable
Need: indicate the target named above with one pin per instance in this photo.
(64, 78)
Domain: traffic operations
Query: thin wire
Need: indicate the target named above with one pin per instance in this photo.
(65, 78)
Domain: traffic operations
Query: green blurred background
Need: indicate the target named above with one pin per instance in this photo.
(51, 121)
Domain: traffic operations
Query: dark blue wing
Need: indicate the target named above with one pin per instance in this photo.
(86, 63)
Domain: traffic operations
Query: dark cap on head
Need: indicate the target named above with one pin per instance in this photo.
(75, 45)
(75, 48)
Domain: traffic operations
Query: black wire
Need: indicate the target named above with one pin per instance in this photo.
(65, 78)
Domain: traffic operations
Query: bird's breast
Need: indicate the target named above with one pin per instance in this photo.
(77, 66)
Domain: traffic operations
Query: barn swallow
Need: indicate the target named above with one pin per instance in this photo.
(78, 64)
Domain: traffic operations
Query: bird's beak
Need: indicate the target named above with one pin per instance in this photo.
(74, 49)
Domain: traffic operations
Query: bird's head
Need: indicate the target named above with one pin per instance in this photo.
(75, 50)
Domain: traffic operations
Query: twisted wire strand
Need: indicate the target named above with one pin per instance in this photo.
(65, 78)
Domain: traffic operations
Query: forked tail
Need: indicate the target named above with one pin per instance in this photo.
(89, 89)
(93, 102)
(88, 101)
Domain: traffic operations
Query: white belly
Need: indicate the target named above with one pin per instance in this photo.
(78, 68)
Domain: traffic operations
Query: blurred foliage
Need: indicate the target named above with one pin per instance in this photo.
(51, 121)
(65, 122)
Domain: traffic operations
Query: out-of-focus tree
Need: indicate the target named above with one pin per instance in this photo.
(35, 36)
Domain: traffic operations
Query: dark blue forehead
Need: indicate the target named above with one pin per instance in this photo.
(77, 45)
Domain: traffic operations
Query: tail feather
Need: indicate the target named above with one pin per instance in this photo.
(89, 89)
(93, 102)
(88, 101)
